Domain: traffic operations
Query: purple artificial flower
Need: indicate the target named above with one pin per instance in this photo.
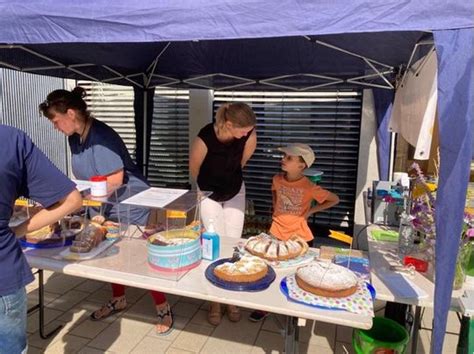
(470, 233)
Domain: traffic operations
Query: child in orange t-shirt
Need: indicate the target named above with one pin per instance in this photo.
(293, 194)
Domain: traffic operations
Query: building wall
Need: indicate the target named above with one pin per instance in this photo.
(200, 113)
(367, 168)
(20, 95)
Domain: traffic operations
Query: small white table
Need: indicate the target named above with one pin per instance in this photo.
(384, 254)
(126, 263)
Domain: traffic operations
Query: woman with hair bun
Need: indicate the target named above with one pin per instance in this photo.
(217, 157)
(97, 149)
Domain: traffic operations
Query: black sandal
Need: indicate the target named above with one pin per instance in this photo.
(166, 311)
(109, 309)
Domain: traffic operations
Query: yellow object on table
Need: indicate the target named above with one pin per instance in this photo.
(175, 214)
(24, 203)
(91, 203)
(341, 236)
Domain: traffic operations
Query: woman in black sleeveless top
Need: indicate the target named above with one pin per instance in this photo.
(217, 157)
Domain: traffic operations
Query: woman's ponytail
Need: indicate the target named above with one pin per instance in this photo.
(238, 113)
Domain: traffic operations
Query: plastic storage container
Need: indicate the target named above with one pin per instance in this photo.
(173, 235)
(385, 336)
(314, 175)
(98, 186)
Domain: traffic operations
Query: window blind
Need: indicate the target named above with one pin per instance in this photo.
(327, 121)
(169, 145)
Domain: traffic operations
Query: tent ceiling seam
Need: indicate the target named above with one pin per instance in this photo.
(172, 80)
(354, 81)
(90, 77)
(122, 76)
(44, 57)
(39, 55)
(10, 66)
(333, 81)
(45, 68)
(378, 73)
(154, 63)
(246, 81)
(325, 44)
(81, 65)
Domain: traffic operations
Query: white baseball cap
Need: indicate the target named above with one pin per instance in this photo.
(302, 150)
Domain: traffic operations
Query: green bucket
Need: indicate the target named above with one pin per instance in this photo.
(385, 337)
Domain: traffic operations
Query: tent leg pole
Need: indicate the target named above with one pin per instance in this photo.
(415, 331)
(145, 147)
(40, 307)
(391, 161)
(291, 335)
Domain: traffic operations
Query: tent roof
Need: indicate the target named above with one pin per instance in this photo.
(119, 41)
(51, 21)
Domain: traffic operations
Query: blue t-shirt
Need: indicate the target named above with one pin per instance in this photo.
(24, 171)
(103, 152)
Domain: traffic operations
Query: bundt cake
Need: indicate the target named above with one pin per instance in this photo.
(271, 248)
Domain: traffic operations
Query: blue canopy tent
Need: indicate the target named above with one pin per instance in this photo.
(199, 43)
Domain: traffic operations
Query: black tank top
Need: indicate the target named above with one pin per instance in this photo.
(221, 170)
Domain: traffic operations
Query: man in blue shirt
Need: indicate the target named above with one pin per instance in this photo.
(24, 171)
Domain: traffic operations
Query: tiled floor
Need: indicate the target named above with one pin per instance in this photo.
(70, 300)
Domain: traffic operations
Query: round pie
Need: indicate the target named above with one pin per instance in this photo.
(247, 269)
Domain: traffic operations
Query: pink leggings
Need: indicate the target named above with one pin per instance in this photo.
(119, 290)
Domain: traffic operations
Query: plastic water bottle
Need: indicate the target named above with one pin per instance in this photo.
(406, 236)
(406, 232)
(210, 243)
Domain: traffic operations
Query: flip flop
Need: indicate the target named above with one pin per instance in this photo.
(166, 311)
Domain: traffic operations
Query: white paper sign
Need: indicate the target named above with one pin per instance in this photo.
(155, 197)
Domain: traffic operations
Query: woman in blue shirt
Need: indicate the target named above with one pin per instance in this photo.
(98, 150)
(24, 171)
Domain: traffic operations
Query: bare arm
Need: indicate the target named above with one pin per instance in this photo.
(196, 157)
(331, 200)
(115, 178)
(274, 199)
(249, 148)
(44, 217)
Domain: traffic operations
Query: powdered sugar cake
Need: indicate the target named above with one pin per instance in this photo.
(327, 279)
